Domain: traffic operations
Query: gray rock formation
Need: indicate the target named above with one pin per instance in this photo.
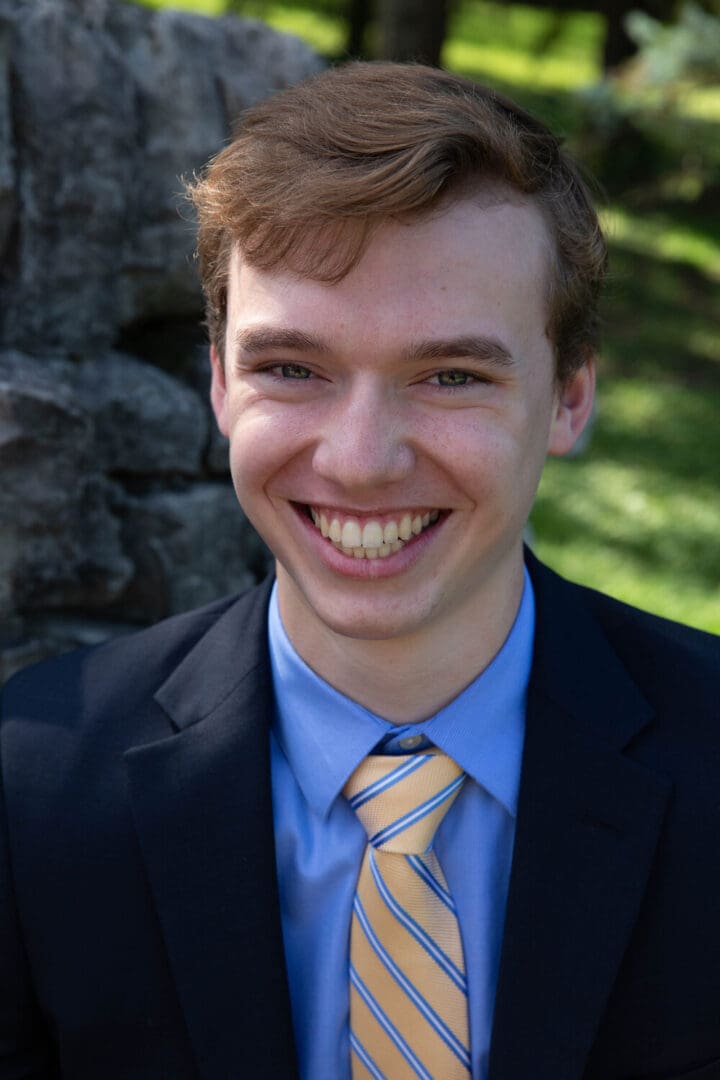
(60, 542)
(115, 503)
(145, 423)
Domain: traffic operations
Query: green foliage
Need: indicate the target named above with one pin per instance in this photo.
(201, 7)
(536, 49)
(651, 131)
(687, 49)
(325, 31)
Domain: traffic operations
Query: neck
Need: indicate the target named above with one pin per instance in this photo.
(407, 679)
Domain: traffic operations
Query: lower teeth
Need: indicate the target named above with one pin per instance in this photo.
(381, 552)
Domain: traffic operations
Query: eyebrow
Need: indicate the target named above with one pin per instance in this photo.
(255, 340)
(487, 349)
(259, 339)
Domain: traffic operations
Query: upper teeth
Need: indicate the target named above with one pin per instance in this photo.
(372, 537)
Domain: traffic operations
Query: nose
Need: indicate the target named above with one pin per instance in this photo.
(363, 441)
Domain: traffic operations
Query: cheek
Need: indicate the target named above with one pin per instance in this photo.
(252, 463)
(261, 447)
(476, 447)
(497, 459)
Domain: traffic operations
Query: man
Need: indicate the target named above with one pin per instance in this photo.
(402, 272)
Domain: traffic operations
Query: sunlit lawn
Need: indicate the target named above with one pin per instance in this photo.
(637, 514)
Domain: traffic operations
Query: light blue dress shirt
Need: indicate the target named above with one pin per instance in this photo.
(318, 739)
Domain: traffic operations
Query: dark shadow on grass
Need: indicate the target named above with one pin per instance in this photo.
(653, 310)
(681, 443)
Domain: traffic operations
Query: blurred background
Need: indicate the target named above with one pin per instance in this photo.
(634, 88)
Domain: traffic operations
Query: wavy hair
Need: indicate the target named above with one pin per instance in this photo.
(315, 169)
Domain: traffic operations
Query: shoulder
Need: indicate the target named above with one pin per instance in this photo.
(655, 646)
(67, 724)
(677, 667)
(114, 684)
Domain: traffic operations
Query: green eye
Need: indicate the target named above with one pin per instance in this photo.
(294, 371)
(453, 378)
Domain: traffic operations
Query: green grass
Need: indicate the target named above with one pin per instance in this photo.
(637, 514)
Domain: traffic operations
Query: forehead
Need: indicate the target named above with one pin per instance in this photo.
(484, 259)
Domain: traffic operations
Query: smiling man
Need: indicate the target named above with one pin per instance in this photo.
(417, 807)
(387, 436)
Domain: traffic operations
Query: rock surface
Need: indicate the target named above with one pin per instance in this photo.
(145, 421)
(115, 503)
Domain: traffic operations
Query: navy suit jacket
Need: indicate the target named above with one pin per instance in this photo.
(140, 931)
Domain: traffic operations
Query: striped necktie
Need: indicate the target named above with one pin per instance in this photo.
(408, 989)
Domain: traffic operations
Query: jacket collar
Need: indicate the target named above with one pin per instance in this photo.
(574, 666)
(202, 806)
(232, 651)
(588, 824)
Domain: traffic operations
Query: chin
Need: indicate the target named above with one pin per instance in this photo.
(369, 621)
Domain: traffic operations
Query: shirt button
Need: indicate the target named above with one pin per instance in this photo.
(410, 742)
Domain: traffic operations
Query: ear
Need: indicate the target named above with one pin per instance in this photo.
(573, 406)
(218, 390)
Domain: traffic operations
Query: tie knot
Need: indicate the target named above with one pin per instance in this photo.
(401, 800)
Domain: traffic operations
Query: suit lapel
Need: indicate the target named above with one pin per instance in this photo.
(203, 812)
(587, 827)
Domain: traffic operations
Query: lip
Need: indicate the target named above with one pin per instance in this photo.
(367, 569)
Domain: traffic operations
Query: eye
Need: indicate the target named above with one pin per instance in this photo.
(294, 371)
(454, 378)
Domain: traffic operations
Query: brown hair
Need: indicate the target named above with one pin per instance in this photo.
(315, 169)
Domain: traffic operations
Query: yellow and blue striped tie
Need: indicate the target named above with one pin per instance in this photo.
(408, 988)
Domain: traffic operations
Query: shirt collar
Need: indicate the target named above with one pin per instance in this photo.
(325, 735)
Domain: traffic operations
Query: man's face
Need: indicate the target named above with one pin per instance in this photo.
(406, 410)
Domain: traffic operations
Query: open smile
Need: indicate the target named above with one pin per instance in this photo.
(371, 537)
